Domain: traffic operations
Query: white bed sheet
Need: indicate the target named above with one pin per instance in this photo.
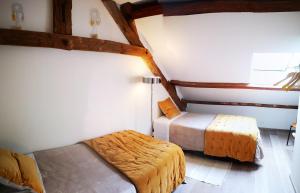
(188, 130)
(161, 126)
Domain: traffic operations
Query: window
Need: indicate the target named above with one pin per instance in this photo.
(269, 68)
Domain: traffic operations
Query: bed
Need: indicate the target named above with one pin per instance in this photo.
(77, 168)
(189, 130)
(129, 162)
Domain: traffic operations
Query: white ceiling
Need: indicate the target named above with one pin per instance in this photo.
(219, 47)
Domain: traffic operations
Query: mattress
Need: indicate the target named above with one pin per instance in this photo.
(187, 130)
(77, 168)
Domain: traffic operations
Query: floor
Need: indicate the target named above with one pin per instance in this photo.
(271, 175)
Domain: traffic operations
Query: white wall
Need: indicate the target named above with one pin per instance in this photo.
(266, 117)
(295, 176)
(37, 14)
(50, 97)
(108, 30)
(219, 48)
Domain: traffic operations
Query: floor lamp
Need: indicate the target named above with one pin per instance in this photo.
(151, 80)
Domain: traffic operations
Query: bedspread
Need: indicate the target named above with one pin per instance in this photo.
(232, 136)
(153, 166)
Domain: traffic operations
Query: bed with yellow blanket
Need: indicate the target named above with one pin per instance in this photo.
(121, 162)
(232, 136)
(218, 135)
(153, 166)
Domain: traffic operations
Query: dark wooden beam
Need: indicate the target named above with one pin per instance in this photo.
(62, 17)
(66, 42)
(225, 85)
(126, 10)
(140, 10)
(169, 87)
(146, 9)
(133, 38)
(242, 104)
(129, 33)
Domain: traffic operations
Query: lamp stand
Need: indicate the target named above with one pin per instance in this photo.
(151, 80)
(152, 109)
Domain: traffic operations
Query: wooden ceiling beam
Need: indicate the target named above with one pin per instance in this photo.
(66, 42)
(225, 85)
(140, 10)
(146, 9)
(132, 36)
(242, 104)
(62, 17)
(118, 17)
(126, 10)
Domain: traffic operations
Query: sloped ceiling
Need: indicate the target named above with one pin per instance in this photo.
(219, 48)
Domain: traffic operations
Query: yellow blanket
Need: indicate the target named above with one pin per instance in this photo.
(152, 165)
(232, 136)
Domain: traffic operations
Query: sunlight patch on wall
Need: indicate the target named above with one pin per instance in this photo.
(141, 69)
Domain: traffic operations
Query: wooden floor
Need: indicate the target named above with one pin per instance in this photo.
(270, 176)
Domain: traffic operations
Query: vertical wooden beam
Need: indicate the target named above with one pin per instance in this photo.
(62, 17)
(132, 36)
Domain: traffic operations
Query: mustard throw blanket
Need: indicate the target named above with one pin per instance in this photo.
(232, 136)
(152, 165)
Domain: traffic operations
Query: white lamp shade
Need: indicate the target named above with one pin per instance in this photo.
(151, 80)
